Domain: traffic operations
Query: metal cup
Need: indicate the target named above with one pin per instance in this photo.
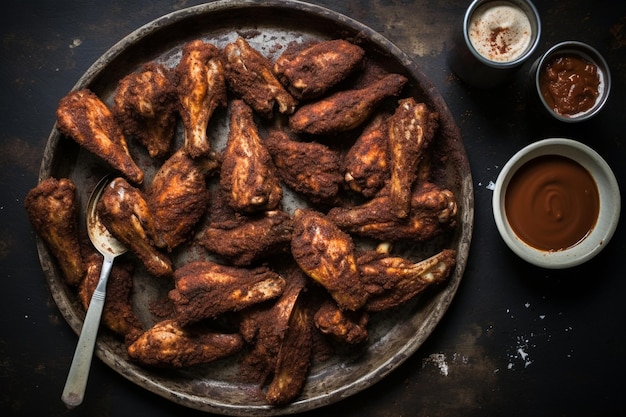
(475, 69)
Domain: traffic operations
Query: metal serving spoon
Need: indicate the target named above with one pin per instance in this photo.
(110, 248)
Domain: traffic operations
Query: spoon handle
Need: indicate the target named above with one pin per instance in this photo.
(74, 389)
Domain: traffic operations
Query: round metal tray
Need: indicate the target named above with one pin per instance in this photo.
(268, 26)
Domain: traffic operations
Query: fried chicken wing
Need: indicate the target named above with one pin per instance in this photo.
(126, 214)
(366, 165)
(345, 110)
(249, 74)
(245, 239)
(52, 209)
(326, 254)
(82, 116)
(411, 129)
(310, 70)
(201, 89)
(346, 326)
(117, 314)
(311, 169)
(248, 175)
(145, 108)
(433, 209)
(205, 289)
(178, 195)
(169, 345)
(392, 280)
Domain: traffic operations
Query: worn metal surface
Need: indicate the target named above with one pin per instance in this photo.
(516, 341)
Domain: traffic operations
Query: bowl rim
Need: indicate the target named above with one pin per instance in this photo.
(608, 217)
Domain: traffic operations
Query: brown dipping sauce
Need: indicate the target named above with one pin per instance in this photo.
(569, 84)
(552, 202)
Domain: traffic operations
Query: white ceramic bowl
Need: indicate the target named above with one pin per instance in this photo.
(610, 204)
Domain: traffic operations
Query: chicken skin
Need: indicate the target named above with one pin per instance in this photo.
(249, 74)
(433, 209)
(310, 70)
(411, 130)
(392, 280)
(205, 289)
(178, 196)
(145, 108)
(168, 345)
(201, 89)
(345, 110)
(82, 116)
(126, 214)
(248, 176)
(326, 254)
(52, 209)
(245, 239)
(309, 168)
(346, 326)
(366, 165)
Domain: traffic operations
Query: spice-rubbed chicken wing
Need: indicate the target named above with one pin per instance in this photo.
(201, 89)
(346, 326)
(245, 239)
(169, 345)
(248, 176)
(309, 168)
(392, 280)
(178, 195)
(126, 214)
(145, 108)
(411, 129)
(249, 74)
(310, 70)
(433, 209)
(82, 116)
(206, 289)
(326, 254)
(366, 165)
(53, 211)
(345, 110)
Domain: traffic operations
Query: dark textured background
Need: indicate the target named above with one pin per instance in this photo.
(569, 325)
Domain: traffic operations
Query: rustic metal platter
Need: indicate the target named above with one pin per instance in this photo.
(268, 26)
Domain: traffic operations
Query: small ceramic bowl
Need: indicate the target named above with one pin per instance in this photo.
(581, 50)
(609, 204)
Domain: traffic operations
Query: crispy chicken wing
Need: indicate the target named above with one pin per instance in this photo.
(169, 345)
(249, 74)
(326, 254)
(366, 165)
(82, 116)
(309, 168)
(126, 214)
(245, 239)
(392, 280)
(53, 211)
(178, 195)
(201, 89)
(432, 210)
(346, 326)
(411, 129)
(310, 70)
(145, 108)
(345, 110)
(206, 289)
(248, 175)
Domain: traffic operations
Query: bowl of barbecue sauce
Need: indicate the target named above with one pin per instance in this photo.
(556, 203)
(572, 81)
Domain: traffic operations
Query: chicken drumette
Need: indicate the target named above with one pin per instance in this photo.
(201, 89)
(345, 110)
(53, 211)
(82, 116)
(346, 326)
(248, 176)
(145, 108)
(249, 74)
(126, 214)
